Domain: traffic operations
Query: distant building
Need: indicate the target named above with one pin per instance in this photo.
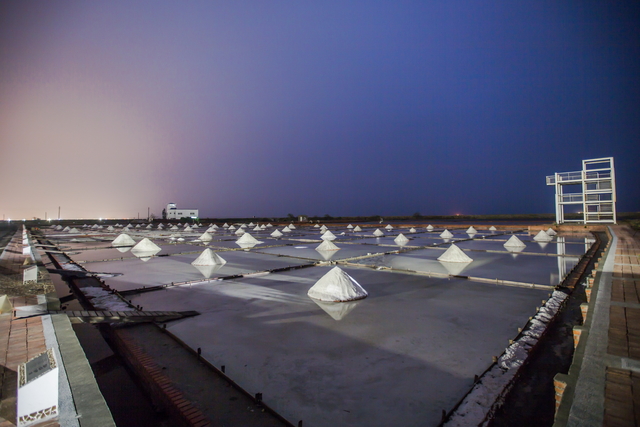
(172, 212)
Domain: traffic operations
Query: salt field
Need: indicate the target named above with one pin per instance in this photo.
(402, 355)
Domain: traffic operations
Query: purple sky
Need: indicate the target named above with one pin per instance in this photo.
(341, 108)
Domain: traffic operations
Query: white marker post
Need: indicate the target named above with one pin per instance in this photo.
(38, 389)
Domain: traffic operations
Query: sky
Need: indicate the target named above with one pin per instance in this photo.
(345, 108)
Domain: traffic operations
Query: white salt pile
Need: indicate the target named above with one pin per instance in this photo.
(454, 254)
(337, 286)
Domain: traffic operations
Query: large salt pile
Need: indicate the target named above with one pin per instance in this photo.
(286, 229)
(110, 228)
(276, 234)
(349, 227)
(551, 232)
(240, 231)
(328, 235)
(231, 227)
(472, 230)
(206, 237)
(542, 237)
(145, 249)
(412, 230)
(327, 245)
(429, 227)
(316, 226)
(292, 227)
(492, 228)
(514, 242)
(248, 239)
(257, 228)
(225, 225)
(401, 240)
(446, 234)
(123, 240)
(145, 245)
(74, 230)
(337, 286)
(389, 227)
(66, 229)
(323, 228)
(378, 233)
(357, 228)
(454, 254)
(174, 228)
(208, 257)
(187, 228)
(211, 230)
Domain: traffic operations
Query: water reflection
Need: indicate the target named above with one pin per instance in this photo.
(337, 310)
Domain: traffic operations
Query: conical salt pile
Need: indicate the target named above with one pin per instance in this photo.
(73, 230)
(206, 237)
(174, 228)
(551, 232)
(215, 227)
(257, 228)
(471, 230)
(292, 227)
(251, 224)
(328, 235)
(446, 234)
(388, 227)
(248, 239)
(66, 229)
(542, 237)
(187, 228)
(349, 226)
(240, 231)
(211, 230)
(412, 230)
(110, 228)
(429, 227)
(123, 240)
(160, 227)
(323, 228)
(514, 242)
(194, 226)
(276, 234)
(231, 227)
(225, 225)
(286, 229)
(378, 233)
(145, 245)
(401, 239)
(316, 226)
(149, 227)
(208, 257)
(263, 227)
(492, 228)
(269, 225)
(454, 254)
(327, 245)
(337, 286)
(357, 228)
(137, 225)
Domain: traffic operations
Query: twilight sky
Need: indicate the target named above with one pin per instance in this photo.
(335, 107)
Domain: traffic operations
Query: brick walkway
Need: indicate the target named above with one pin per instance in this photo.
(622, 386)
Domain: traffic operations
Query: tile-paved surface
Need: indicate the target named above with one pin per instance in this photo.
(622, 397)
(622, 387)
(20, 339)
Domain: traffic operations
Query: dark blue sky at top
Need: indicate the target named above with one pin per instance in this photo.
(340, 108)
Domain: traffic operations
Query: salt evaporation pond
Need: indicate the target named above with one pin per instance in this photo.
(398, 357)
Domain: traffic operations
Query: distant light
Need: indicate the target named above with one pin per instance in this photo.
(99, 219)
(23, 219)
(9, 219)
(49, 219)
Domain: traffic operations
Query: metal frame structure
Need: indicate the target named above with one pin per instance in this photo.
(597, 196)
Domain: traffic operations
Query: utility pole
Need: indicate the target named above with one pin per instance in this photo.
(58, 213)
(148, 213)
